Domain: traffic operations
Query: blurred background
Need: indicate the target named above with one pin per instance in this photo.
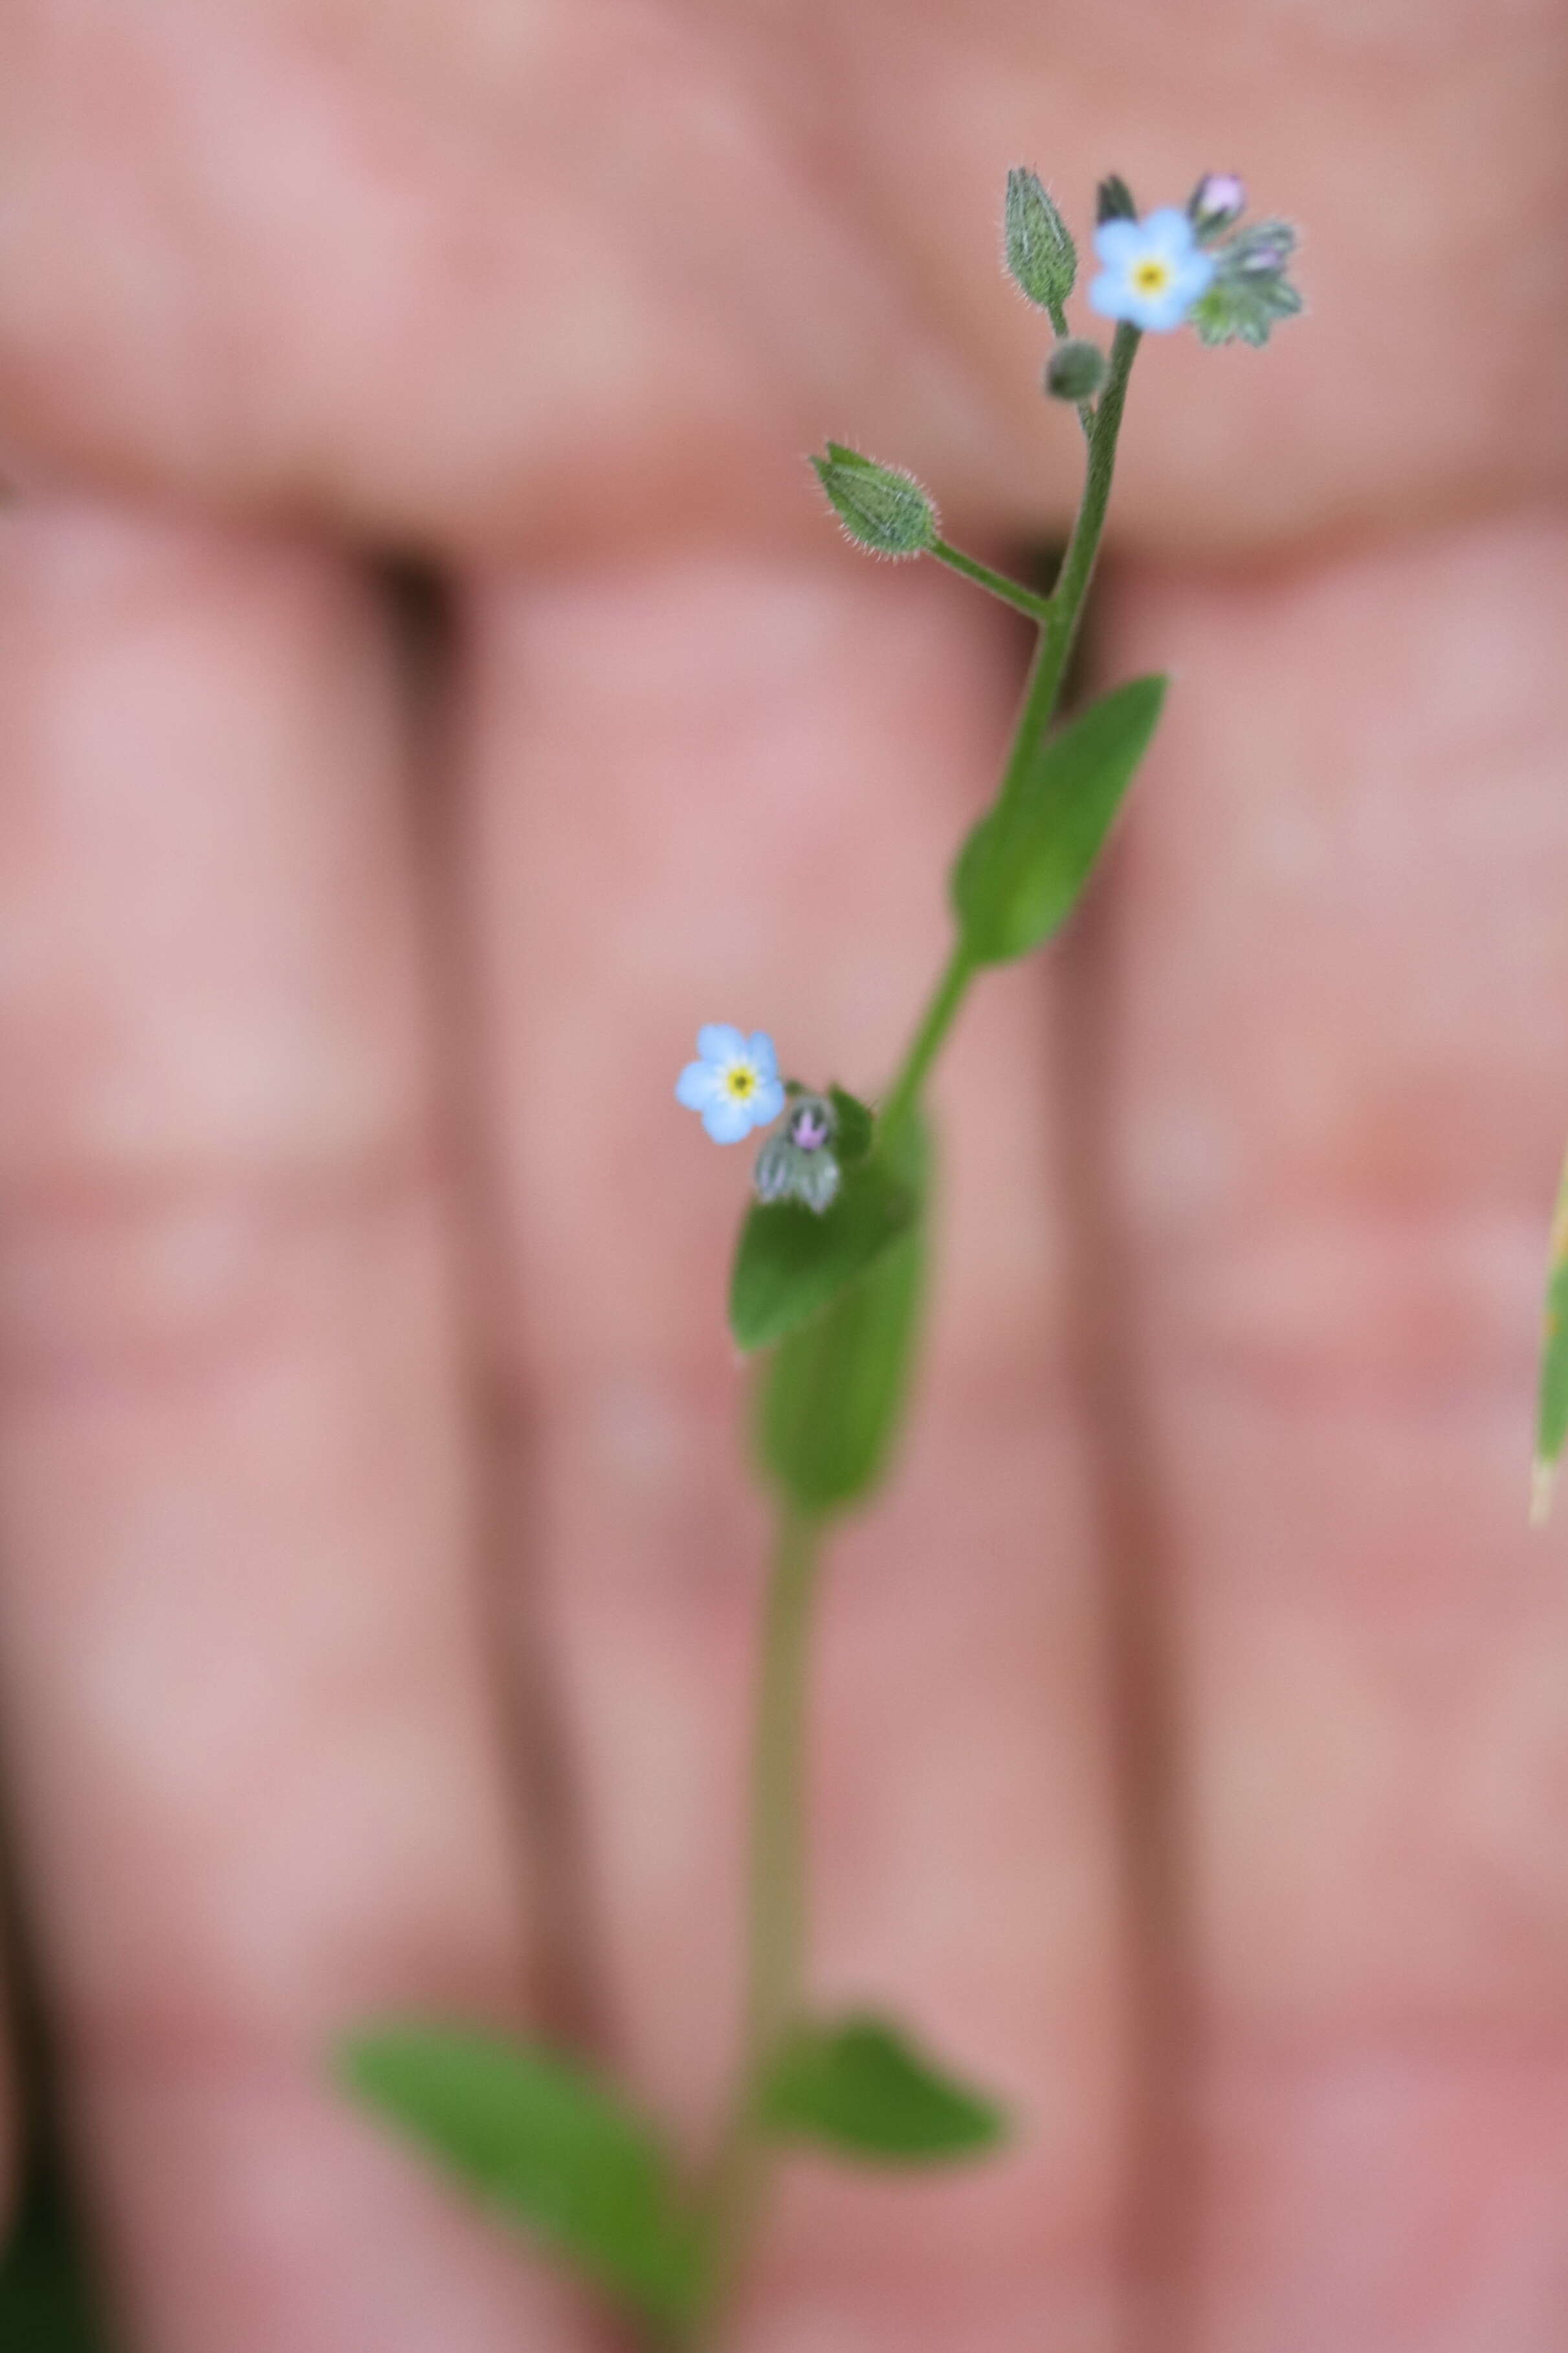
(430, 687)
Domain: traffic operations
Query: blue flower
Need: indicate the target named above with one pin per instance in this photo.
(1154, 269)
(734, 1082)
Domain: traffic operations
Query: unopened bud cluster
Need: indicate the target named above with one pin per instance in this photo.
(799, 1164)
(1176, 266)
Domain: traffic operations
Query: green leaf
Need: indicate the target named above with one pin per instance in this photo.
(1552, 1409)
(1041, 257)
(1019, 874)
(881, 507)
(861, 2085)
(830, 1402)
(546, 2145)
(856, 1127)
(790, 1262)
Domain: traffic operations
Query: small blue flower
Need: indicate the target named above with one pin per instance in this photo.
(1154, 269)
(734, 1082)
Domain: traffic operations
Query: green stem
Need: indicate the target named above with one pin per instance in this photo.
(777, 1887)
(1058, 631)
(1012, 592)
(777, 1894)
(776, 1906)
(935, 1022)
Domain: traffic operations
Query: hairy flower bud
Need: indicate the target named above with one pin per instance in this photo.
(798, 1163)
(1076, 370)
(881, 507)
(1042, 259)
(1216, 204)
(1114, 201)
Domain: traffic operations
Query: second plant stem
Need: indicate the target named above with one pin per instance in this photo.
(776, 1908)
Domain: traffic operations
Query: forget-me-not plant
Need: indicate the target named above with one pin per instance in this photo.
(826, 1292)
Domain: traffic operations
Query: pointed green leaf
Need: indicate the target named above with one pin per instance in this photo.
(790, 1262)
(831, 1400)
(860, 2087)
(1019, 874)
(856, 1127)
(881, 507)
(545, 2144)
(1041, 257)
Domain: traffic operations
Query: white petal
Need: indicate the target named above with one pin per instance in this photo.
(1119, 242)
(1168, 231)
(721, 1042)
(727, 1121)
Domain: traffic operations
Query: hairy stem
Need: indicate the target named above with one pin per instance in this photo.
(1011, 592)
(776, 1891)
(1058, 631)
(1063, 610)
(776, 1888)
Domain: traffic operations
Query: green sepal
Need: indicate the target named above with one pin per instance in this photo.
(1249, 293)
(1243, 310)
(853, 1136)
(881, 507)
(860, 2087)
(1037, 244)
(830, 1402)
(545, 2144)
(1019, 875)
(792, 1262)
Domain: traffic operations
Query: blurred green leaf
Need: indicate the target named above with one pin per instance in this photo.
(856, 1127)
(45, 2304)
(1552, 1409)
(49, 2298)
(831, 1401)
(860, 2086)
(545, 2144)
(791, 1261)
(1019, 874)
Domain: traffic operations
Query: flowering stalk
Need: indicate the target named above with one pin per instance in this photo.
(826, 1290)
(776, 1911)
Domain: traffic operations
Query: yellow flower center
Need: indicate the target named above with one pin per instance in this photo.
(741, 1081)
(1151, 277)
